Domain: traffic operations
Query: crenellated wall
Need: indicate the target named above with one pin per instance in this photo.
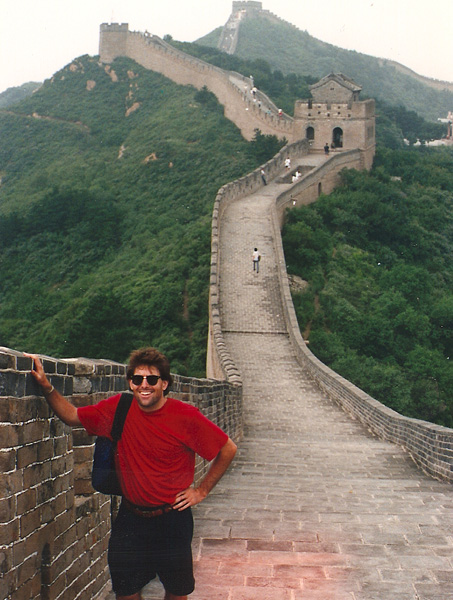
(430, 445)
(231, 89)
(53, 527)
(321, 180)
(354, 120)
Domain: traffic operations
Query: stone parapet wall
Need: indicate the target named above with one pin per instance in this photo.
(246, 4)
(153, 53)
(321, 180)
(52, 544)
(430, 445)
(354, 122)
(334, 109)
(53, 527)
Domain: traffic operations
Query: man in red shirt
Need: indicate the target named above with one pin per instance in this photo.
(155, 460)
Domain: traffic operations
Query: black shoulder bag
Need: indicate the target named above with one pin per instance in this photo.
(104, 478)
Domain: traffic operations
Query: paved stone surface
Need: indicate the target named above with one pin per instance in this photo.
(314, 507)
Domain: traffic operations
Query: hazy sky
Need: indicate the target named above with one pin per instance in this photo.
(39, 37)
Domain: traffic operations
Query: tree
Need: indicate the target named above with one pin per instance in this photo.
(264, 146)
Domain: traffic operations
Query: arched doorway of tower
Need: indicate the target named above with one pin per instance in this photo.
(337, 137)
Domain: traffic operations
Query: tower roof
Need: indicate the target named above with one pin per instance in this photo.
(339, 78)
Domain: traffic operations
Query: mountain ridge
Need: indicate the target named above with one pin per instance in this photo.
(263, 35)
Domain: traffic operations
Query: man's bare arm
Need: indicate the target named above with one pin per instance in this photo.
(60, 406)
(219, 465)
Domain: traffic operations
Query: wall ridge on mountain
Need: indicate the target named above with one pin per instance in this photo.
(156, 54)
(348, 125)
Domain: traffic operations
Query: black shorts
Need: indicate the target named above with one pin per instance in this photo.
(141, 548)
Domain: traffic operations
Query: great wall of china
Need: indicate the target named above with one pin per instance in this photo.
(54, 528)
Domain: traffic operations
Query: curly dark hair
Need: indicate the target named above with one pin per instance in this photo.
(150, 357)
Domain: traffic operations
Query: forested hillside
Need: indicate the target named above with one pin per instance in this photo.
(108, 178)
(291, 50)
(15, 94)
(378, 256)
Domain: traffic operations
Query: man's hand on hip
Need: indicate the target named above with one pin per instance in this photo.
(188, 498)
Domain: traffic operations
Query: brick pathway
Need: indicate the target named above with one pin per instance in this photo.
(314, 507)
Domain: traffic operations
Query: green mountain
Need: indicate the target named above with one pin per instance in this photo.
(108, 178)
(16, 94)
(262, 35)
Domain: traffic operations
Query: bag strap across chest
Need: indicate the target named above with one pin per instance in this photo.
(120, 415)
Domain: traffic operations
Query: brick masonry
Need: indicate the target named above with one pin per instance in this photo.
(430, 445)
(231, 89)
(353, 119)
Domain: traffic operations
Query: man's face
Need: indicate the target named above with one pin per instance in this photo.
(150, 397)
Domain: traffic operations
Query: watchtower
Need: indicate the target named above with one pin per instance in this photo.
(247, 5)
(334, 115)
(113, 41)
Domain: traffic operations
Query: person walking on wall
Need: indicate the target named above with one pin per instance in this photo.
(256, 257)
(263, 176)
(155, 461)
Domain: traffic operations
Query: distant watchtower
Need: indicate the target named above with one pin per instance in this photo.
(247, 5)
(229, 37)
(113, 41)
(334, 115)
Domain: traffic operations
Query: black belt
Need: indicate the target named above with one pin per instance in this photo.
(147, 511)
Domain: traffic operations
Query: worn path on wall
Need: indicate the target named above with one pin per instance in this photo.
(314, 507)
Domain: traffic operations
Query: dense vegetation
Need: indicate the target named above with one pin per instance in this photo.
(105, 218)
(15, 94)
(377, 254)
(290, 50)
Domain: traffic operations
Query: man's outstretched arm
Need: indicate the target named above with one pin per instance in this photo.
(60, 406)
(219, 465)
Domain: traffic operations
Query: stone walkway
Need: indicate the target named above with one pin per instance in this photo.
(314, 507)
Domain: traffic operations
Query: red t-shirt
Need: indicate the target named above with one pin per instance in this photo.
(156, 453)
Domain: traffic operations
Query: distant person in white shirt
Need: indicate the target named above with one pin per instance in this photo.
(256, 257)
(297, 176)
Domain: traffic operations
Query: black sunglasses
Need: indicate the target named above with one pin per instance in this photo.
(151, 379)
